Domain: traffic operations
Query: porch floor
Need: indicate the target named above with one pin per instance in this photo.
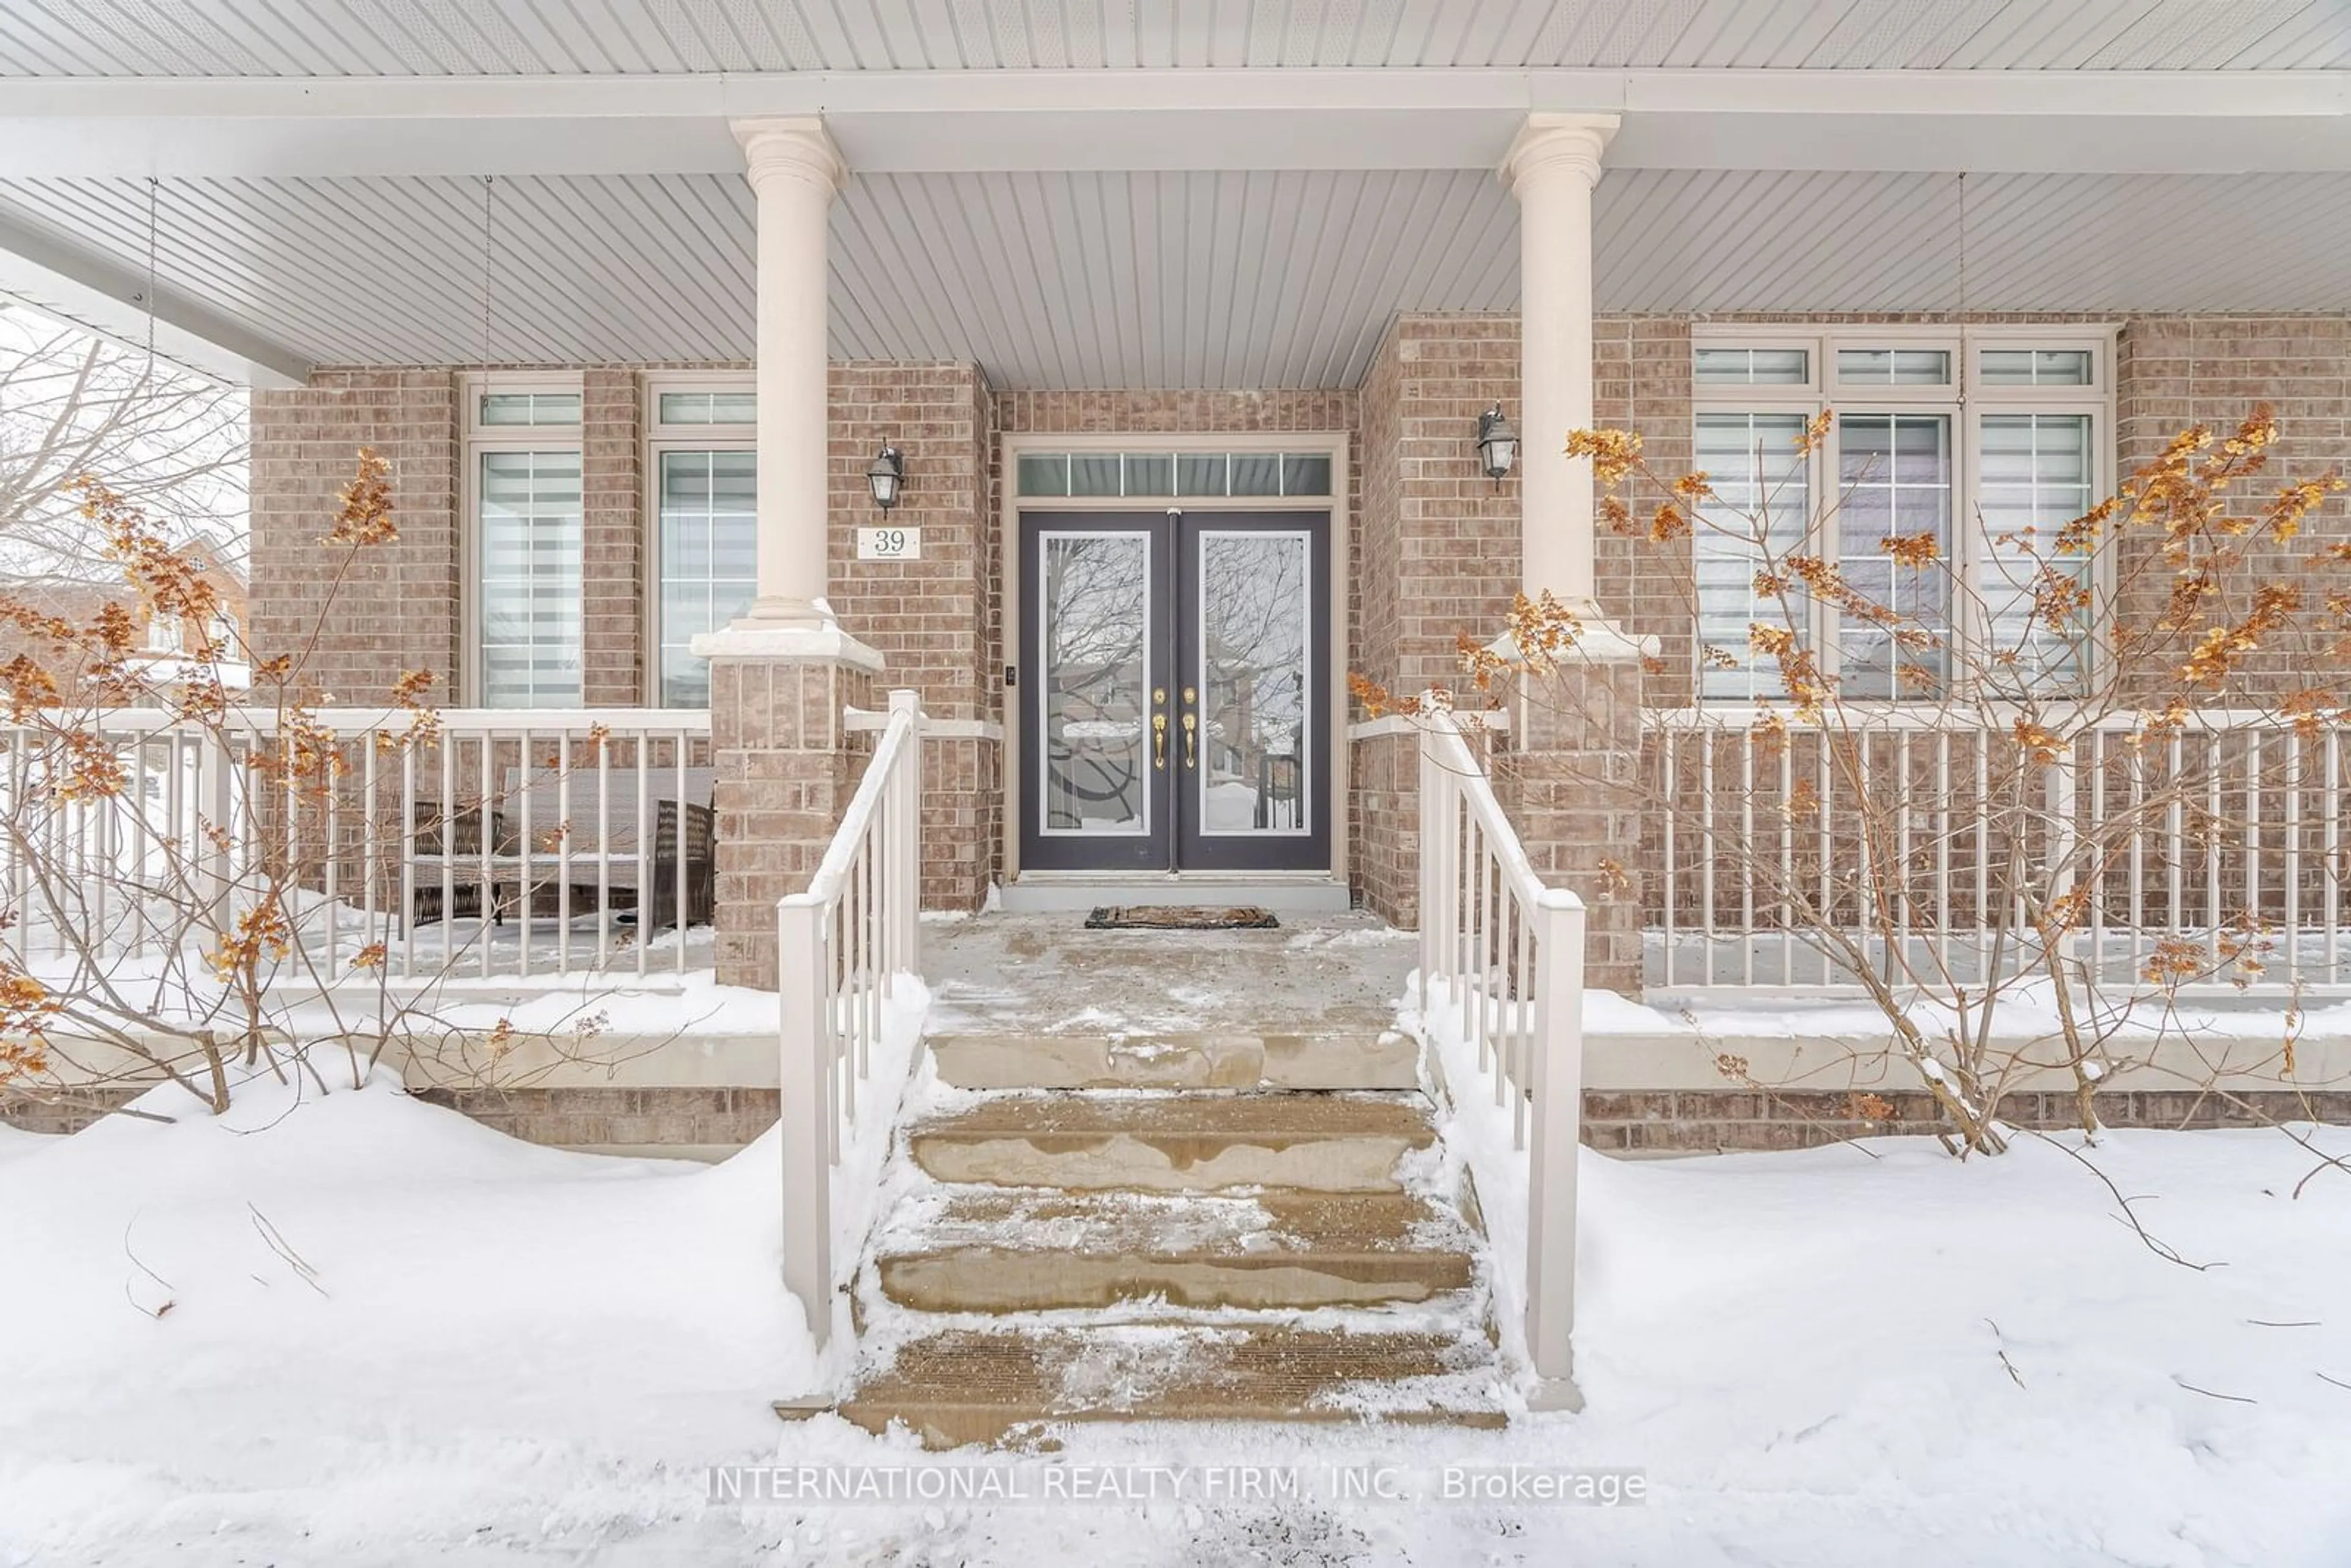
(1048, 976)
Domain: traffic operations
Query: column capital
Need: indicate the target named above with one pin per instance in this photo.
(790, 147)
(1555, 143)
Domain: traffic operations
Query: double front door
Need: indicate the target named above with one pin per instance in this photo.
(1173, 680)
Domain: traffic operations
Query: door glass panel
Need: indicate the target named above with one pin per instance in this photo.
(1094, 692)
(1253, 684)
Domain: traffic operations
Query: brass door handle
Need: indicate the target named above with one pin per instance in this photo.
(1159, 741)
(1191, 725)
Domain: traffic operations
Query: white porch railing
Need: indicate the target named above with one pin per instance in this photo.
(490, 842)
(1501, 968)
(842, 946)
(1917, 835)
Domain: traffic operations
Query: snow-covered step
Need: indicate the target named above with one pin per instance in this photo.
(965, 1385)
(978, 1249)
(1176, 1143)
(1326, 1059)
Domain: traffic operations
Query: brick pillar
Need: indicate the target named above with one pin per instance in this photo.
(1570, 780)
(787, 767)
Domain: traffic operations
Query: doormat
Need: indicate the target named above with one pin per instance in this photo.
(1180, 918)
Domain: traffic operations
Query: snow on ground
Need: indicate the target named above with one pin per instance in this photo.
(512, 1354)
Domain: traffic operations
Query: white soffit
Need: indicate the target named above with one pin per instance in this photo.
(1158, 280)
(603, 37)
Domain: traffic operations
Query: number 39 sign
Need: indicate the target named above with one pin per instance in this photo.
(889, 544)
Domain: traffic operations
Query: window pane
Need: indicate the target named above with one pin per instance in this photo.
(1045, 474)
(1894, 475)
(1201, 475)
(530, 579)
(708, 408)
(1093, 473)
(2036, 478)
(1256, 474)
(1149, 474)
(1305, 475)
(1752, 367)
(707, 558)
(530, 408)
(2035, 367)
(1895, 367)
(1762, 501)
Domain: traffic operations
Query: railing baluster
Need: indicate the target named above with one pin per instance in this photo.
(1669, 790)
(2293, 869)
(678, 867)
(2334, 916)
(645, 842)
(1746, 743)
(2213, 831)
(563, 852)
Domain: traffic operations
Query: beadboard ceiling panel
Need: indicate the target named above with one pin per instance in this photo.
(576, 37)
(1163, 281)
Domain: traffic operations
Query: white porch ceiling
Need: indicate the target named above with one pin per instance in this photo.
(1167, 279)
(575, 38)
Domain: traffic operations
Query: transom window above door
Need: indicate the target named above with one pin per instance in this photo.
(1157, 475)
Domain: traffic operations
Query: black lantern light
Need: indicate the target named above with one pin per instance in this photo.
(884, 474)
(1497, 443)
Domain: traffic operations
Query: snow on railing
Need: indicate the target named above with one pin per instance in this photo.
(845, 948)
(464, 840)
(1501, 975)
(1919, 833)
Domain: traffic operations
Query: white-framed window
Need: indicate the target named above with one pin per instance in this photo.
(524, 540)
(1986, 438)
(702, 496)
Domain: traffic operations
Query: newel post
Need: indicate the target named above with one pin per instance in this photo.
(1553, 1147)
(804, 1125)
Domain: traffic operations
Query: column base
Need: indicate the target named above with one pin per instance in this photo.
(1570, 781)
(787, 767)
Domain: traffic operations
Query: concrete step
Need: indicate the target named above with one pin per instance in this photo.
(994, 1251)
(1337, 1058)
(962, 1386)
(1181, 1143)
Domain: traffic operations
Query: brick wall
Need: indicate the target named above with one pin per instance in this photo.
(399, 608)
(613, 550)
(2173, 371)
(931, 620)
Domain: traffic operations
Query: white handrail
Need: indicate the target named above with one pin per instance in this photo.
(841, 946)
(1502, 955)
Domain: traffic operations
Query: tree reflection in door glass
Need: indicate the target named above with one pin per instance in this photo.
(1254, 615)
(1095, 697)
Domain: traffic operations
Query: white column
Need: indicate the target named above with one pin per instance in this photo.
(795, 171)
(1551, 168)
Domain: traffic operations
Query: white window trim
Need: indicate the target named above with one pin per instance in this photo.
(480, 438)
(1964, 402)
(661, 438)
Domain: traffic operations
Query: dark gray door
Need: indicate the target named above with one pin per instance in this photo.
(1172, 674)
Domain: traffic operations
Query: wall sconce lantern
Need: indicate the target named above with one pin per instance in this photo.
(1497, 443)
(884, 474)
